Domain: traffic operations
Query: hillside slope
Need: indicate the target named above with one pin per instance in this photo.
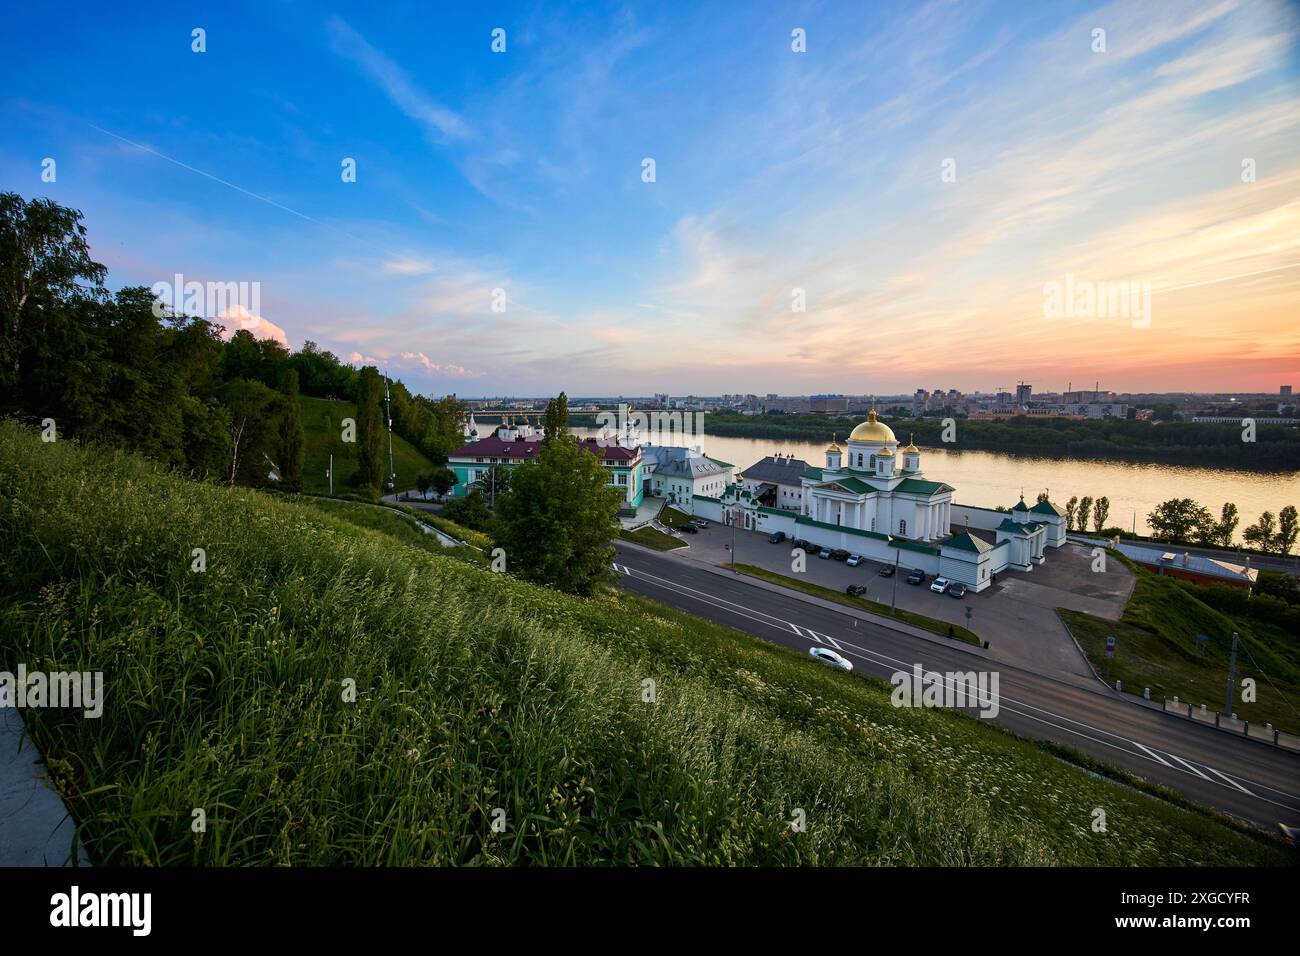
(476, 692)
(322, 422)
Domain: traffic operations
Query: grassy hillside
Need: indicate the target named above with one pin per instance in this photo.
(322, 420)
(224, 691)
(1156, 647)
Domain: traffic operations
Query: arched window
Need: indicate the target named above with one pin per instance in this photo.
(902, 527)
(859, 459)
(873, 463)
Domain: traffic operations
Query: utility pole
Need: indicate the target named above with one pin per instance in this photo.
(388, 411)
(733, 538)
(330, 474)
(1232, 676)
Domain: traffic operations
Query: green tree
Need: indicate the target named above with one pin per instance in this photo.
(44, 258)
(423, 482)
(1042, 496)
(1100, 512)
(558, 518)
(442, 430)
(1286, 529)
(472, 511)
(371, 463)
(293, 442)
(1085, 509)
(556, 421)
(444, 479)
(1263, 533)
(1071, 507)
(253, 414)
(1227, 525)
(1178, 519)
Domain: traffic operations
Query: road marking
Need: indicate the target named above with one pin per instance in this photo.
(1154, 754)
(880, 659)
(1229, 779)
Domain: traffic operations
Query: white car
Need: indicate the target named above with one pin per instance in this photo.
(828, 656)
(854, 560)
(939, 585)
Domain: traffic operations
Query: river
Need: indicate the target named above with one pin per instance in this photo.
(988, 478)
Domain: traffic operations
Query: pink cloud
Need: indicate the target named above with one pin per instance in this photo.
(239, 319)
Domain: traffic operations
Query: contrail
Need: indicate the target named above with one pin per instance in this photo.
(218, 179)
(1243, 275)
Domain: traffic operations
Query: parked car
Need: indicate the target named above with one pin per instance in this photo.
(854, 560)
(839, 554)
(824, 554)
(828, 656)
(916, 577)
(887, 571)
(776, 537)
(853, 590)
(957, 590)
(700, 523)
(939, 585)
(688, 528)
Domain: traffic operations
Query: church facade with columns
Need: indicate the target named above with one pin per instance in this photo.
(872, 484)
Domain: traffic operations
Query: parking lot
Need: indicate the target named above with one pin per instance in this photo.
(1016, 615)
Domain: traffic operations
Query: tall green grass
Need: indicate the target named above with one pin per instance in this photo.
(477, 692)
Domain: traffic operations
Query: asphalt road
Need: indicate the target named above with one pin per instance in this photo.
(1251, 780)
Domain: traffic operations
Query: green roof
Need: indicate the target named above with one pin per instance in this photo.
(856, 485)
(1020, 506)
(916, 486)
(1047, 508)
(968, 542)
(803, 519)
(707, 498)
(813, 473)
(1014, 527)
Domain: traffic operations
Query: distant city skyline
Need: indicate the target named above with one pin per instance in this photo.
(920, 179)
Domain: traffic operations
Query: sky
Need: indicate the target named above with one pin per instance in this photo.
(890, 207)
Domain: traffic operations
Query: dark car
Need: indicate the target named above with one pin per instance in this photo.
(916, 577)
(688, 528)
(853, 590)
(777, 537)
(801, 543)
(839, 554)
(700, 523)
(957, 590)
(887, 571)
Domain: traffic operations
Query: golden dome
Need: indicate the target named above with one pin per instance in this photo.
(833, 446)
(872, 430)
(885, 452)
(911, 446)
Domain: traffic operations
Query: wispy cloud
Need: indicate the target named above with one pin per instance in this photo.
(395, 82)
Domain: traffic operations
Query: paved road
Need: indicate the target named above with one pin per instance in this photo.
(1251, 780)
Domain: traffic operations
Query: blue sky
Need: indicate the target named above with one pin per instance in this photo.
(775, 170)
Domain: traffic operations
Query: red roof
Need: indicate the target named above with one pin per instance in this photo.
(525, 448)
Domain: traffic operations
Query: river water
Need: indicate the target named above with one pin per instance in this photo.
(987, 478)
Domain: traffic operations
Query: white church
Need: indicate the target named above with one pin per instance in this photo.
(872, 498)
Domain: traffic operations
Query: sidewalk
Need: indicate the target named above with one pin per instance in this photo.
(35, 827)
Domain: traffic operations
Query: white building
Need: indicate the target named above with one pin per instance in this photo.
(872, 498)
(681, 474)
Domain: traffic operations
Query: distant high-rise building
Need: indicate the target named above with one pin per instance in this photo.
(1023, 392)
(1285, 391)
